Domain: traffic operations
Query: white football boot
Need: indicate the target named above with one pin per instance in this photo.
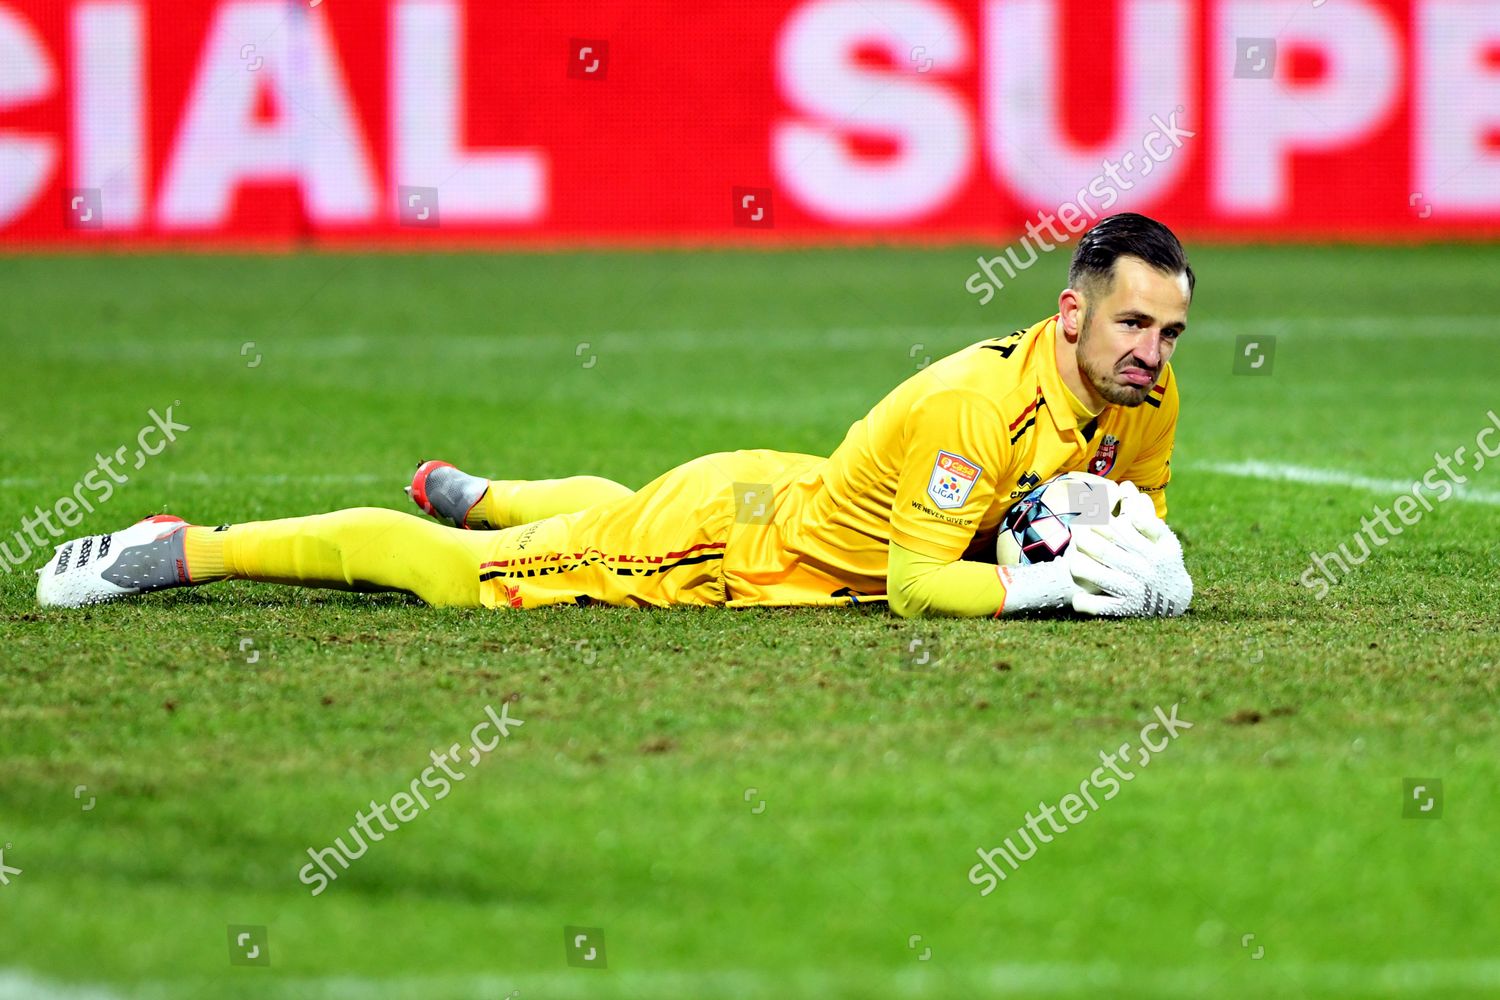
(146, 556)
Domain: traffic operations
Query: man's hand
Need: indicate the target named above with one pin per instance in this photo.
(1135, 561)
(1037, 587)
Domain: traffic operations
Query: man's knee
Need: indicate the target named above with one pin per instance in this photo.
(379, 519)
(601, 490)
(399, 551)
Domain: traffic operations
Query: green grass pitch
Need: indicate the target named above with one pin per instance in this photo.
(748, 804)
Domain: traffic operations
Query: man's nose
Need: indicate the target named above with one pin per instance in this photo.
(1149, 350)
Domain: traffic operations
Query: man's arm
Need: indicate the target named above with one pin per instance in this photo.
(918, 585)
(951, 459)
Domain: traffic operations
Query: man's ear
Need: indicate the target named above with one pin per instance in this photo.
(1070, 310)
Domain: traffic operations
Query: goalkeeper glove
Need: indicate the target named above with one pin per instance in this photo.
(1134, 561)
(1036, 587)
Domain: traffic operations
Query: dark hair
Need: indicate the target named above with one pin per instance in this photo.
(1127, 235)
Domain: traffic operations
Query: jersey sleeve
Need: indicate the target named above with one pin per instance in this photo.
(921, 585)
(950, 462)
(1152, 468)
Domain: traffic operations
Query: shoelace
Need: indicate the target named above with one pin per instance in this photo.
(86, 549)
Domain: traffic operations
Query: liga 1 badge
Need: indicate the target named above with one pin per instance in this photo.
(953, 477)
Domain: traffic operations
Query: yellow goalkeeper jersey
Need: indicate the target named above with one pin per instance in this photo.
(936, 464)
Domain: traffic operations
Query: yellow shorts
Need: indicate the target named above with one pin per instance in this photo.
(704, 533)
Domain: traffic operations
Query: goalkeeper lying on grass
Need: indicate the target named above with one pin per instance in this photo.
(905, 510)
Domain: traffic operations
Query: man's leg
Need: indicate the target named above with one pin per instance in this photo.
(462, 500)
(659, 546)
(509, 502)
(365, 549)
(662, 545)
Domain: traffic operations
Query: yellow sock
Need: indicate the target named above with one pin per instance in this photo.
(204, 549)
(509, 502)
(366, 548)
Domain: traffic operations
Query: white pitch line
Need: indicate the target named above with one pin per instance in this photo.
(1250, 469)
(16, 984)
(1347, 327)
(1278, 472)
(1392, 979)
(281, 478)
(936, 340)
(218, 479)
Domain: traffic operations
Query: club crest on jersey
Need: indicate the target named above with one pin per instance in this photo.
(1104, 458)
(953, 477)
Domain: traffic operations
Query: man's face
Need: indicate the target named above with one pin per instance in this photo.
(1130, 330)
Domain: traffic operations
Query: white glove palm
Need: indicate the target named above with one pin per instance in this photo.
(1134, 561)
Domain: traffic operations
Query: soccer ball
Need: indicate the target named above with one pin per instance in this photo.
(1037, 528)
